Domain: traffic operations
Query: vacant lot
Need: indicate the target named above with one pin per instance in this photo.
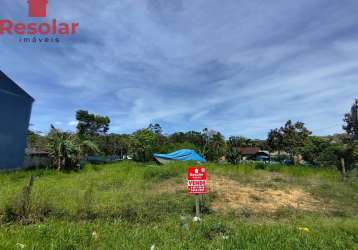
(136, 206)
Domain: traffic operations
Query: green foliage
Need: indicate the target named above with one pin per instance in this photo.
(67, 149)
(143, 144)
(260, 165)
(129, 205)
(86, 203)
(351, 121)
(240, 141)
(91, 124)
(290, 138)
(321, 152)
(294, 137)
(19, 208)
(113, 144)
(215, 145)
(36, 141)
(155, 128)
(275, 140)
(233, 154)
(194, 138)
(158, 173)
(324, 234)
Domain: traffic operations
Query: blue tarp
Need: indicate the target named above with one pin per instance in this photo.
(182, 155)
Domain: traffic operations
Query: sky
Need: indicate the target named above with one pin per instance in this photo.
(239, 67)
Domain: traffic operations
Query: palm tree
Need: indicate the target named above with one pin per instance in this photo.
(68, 149)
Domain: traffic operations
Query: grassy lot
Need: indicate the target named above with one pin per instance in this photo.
(134, 206)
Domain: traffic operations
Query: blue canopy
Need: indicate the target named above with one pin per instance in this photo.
(182, 155)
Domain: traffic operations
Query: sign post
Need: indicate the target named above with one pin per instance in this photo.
(197, 206)
(196, 183)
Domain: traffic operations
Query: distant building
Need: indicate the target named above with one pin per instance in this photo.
(253, 153)
(15, 111)
(35, 158)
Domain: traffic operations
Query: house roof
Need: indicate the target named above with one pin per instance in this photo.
(35, 151)
(249, 150)
(9, 86)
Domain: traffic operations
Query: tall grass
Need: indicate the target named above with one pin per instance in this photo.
(134, 206)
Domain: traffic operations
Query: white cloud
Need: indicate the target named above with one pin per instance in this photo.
(72, 123)
(237, 67)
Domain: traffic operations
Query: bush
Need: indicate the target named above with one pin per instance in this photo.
(260, 165)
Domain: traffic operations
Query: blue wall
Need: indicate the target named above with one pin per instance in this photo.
(15, 111)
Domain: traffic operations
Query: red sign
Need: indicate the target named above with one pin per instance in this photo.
(37, 8)
(196, 178)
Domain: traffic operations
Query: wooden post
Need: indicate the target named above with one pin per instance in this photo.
(197, 206)
(344, 173)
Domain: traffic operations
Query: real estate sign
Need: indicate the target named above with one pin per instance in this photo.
(196, 179)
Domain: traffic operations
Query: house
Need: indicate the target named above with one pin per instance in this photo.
(35, 158)
(253, 153)
(15, 111)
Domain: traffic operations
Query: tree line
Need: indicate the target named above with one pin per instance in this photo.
(291, 140)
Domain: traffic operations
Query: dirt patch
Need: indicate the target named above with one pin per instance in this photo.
(231, 195)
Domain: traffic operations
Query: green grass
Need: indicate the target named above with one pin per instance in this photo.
(134, 206)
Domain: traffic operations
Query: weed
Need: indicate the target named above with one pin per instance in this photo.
(159, 174)
(134, 214)
(213, 231)
(20, 207)
(85, 205)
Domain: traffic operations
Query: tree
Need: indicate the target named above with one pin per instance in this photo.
(67, 149)
(240, 141)
(142, 145)
(290, 138)
(215, 145)
(192, 138)
(351, 121)
(321, 152)
(178, 137)
(355, 119)
(113, 144)
(294, 137)
(233, 155)
(349, 151)
(348, 124)
(36, 141)
(155, 128)
(275, 140)
(90, 125)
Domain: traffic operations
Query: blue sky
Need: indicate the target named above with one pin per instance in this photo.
(240, 67)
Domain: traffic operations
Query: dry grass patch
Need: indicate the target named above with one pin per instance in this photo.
(172, 185)
(262, 197)
(231, 195)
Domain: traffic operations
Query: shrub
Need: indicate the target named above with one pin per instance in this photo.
(260, 165)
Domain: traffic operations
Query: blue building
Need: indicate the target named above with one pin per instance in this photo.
(15, 112)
